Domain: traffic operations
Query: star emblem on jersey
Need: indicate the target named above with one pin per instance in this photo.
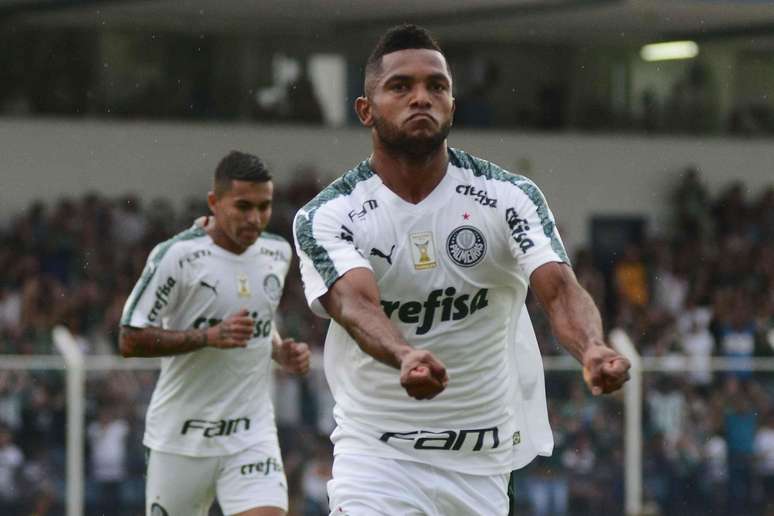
(423, 250)
(466, 246)
(243, 285)
(273, 287)
(466, 216)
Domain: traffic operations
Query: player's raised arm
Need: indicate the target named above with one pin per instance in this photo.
(577, 325)
(353, 302)
(233, 332)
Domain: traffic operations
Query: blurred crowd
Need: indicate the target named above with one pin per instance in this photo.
(704, 290)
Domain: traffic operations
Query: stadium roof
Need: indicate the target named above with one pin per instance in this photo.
(539, 21)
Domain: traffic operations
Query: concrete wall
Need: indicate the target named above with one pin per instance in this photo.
(581, 175)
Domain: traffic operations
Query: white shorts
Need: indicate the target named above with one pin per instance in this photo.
(375, 486)
(178, 485)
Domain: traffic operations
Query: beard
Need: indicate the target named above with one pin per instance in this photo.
(400, 143)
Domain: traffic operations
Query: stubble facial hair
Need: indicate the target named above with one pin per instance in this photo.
(400, 144)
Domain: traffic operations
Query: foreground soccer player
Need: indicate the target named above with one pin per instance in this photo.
(422, 255)
(206, 303)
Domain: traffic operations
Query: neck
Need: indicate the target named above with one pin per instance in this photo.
(412, 178)
(222, 240)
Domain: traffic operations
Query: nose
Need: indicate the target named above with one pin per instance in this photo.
(254, 217)
(421, 97)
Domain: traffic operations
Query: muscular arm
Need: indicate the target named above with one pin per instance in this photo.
(574, 317)
(577, 324)
(353, 301)
(156, 342)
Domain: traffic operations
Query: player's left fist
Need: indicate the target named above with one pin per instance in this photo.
(604, 369)
(294, 357)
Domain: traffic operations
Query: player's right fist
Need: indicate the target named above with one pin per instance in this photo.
(422, 375)
(232, 332)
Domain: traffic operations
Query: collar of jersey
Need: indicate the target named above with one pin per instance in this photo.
(438, 197)
(225, 253)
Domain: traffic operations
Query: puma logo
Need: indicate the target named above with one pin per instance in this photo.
(380, 254)
(211, 287)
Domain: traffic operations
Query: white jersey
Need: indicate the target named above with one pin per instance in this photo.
(210, 402)
(453, 272)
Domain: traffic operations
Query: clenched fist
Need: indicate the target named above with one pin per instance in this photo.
(292, 356)
(604, 369)
(422, 375)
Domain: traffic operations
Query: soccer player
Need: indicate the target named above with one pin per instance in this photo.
(205, 303)
(422, 256)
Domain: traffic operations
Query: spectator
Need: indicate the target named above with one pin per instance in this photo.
(107, 440)
(315, 477)
(11, 460)
(715, 457)
(764, 459)
(697, 343)
(631, 278)
(548, 485)
(740, 429)
(691, 202)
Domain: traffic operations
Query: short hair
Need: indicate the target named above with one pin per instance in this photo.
(239, 166)
(400, 37)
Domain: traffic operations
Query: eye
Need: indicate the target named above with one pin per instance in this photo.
(399, 87)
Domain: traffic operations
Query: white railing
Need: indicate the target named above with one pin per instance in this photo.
(75, 364)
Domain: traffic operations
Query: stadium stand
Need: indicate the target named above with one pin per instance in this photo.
(709, 443)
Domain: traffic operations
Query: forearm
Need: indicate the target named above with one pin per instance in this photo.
(376, 335)
(575, 320)
(157, 342)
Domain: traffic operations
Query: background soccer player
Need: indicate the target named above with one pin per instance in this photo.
(422, 255)
(206, 304)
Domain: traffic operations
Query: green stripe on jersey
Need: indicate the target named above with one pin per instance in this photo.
(344, 185)
(150, 269)
(489, 170)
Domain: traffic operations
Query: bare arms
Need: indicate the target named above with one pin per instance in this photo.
(233, 332)
(353, 301)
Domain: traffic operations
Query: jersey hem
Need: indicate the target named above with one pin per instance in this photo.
(189, 453)
(467, 469)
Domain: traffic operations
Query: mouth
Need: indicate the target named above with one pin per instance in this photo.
(251, 233)
(420, 116)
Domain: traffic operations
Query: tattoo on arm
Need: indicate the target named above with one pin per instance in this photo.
(157, 342)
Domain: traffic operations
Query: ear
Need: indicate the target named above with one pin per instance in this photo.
(212, 200)
(363, 110)
(453, 109)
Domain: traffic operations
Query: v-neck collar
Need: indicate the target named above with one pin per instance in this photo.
(437, 195)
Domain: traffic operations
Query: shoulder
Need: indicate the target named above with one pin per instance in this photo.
(276, 242)
(513, 187)
(342, 187)
(486, 170)
(178, 244)
(274, 238)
